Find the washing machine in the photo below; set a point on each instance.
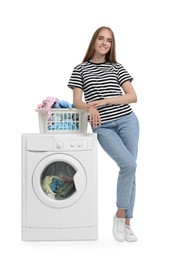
(59, 187)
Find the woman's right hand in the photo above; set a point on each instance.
(94, 117)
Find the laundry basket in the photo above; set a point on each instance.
(63, 120)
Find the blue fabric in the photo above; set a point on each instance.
(63, 104)
(64, 126)
(56, 184)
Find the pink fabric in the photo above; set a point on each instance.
(47, 105)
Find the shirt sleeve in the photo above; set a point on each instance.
(123, 75)
(76, 79)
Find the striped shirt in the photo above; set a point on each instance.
(99, 81)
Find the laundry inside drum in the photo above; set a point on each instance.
(57, 180)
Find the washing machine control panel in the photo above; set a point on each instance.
(72, 143)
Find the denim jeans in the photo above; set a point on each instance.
(119, 138)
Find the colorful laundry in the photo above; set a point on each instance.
(66, 191)
(63, 126)
(47, 104)
(57, 187)
(56, 184)
(63, 104)
(46, 185)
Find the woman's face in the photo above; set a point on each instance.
(103, 42)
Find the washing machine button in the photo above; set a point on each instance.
(80, 143)
(59, 145)
(72, 144)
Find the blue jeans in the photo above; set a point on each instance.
(119, 138)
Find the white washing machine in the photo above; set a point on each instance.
(59, 187)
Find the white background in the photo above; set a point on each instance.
(40, 43)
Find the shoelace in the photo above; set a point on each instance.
(129, 231)
(120, 226)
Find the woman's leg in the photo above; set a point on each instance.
(119, 139)
(113, 145)
(129, 132)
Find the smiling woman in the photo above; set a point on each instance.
(108, 92)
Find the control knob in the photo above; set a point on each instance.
(59, 145)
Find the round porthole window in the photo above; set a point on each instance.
(59, 180)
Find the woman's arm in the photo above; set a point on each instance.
(94, 115)
(77, 99)
(128, 97)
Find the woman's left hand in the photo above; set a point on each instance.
(94, 117)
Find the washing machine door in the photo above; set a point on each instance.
(59, 180)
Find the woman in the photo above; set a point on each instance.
(108, 92)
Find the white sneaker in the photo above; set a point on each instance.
(119, 229)
(129, 235)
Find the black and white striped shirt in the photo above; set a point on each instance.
(99, 81)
